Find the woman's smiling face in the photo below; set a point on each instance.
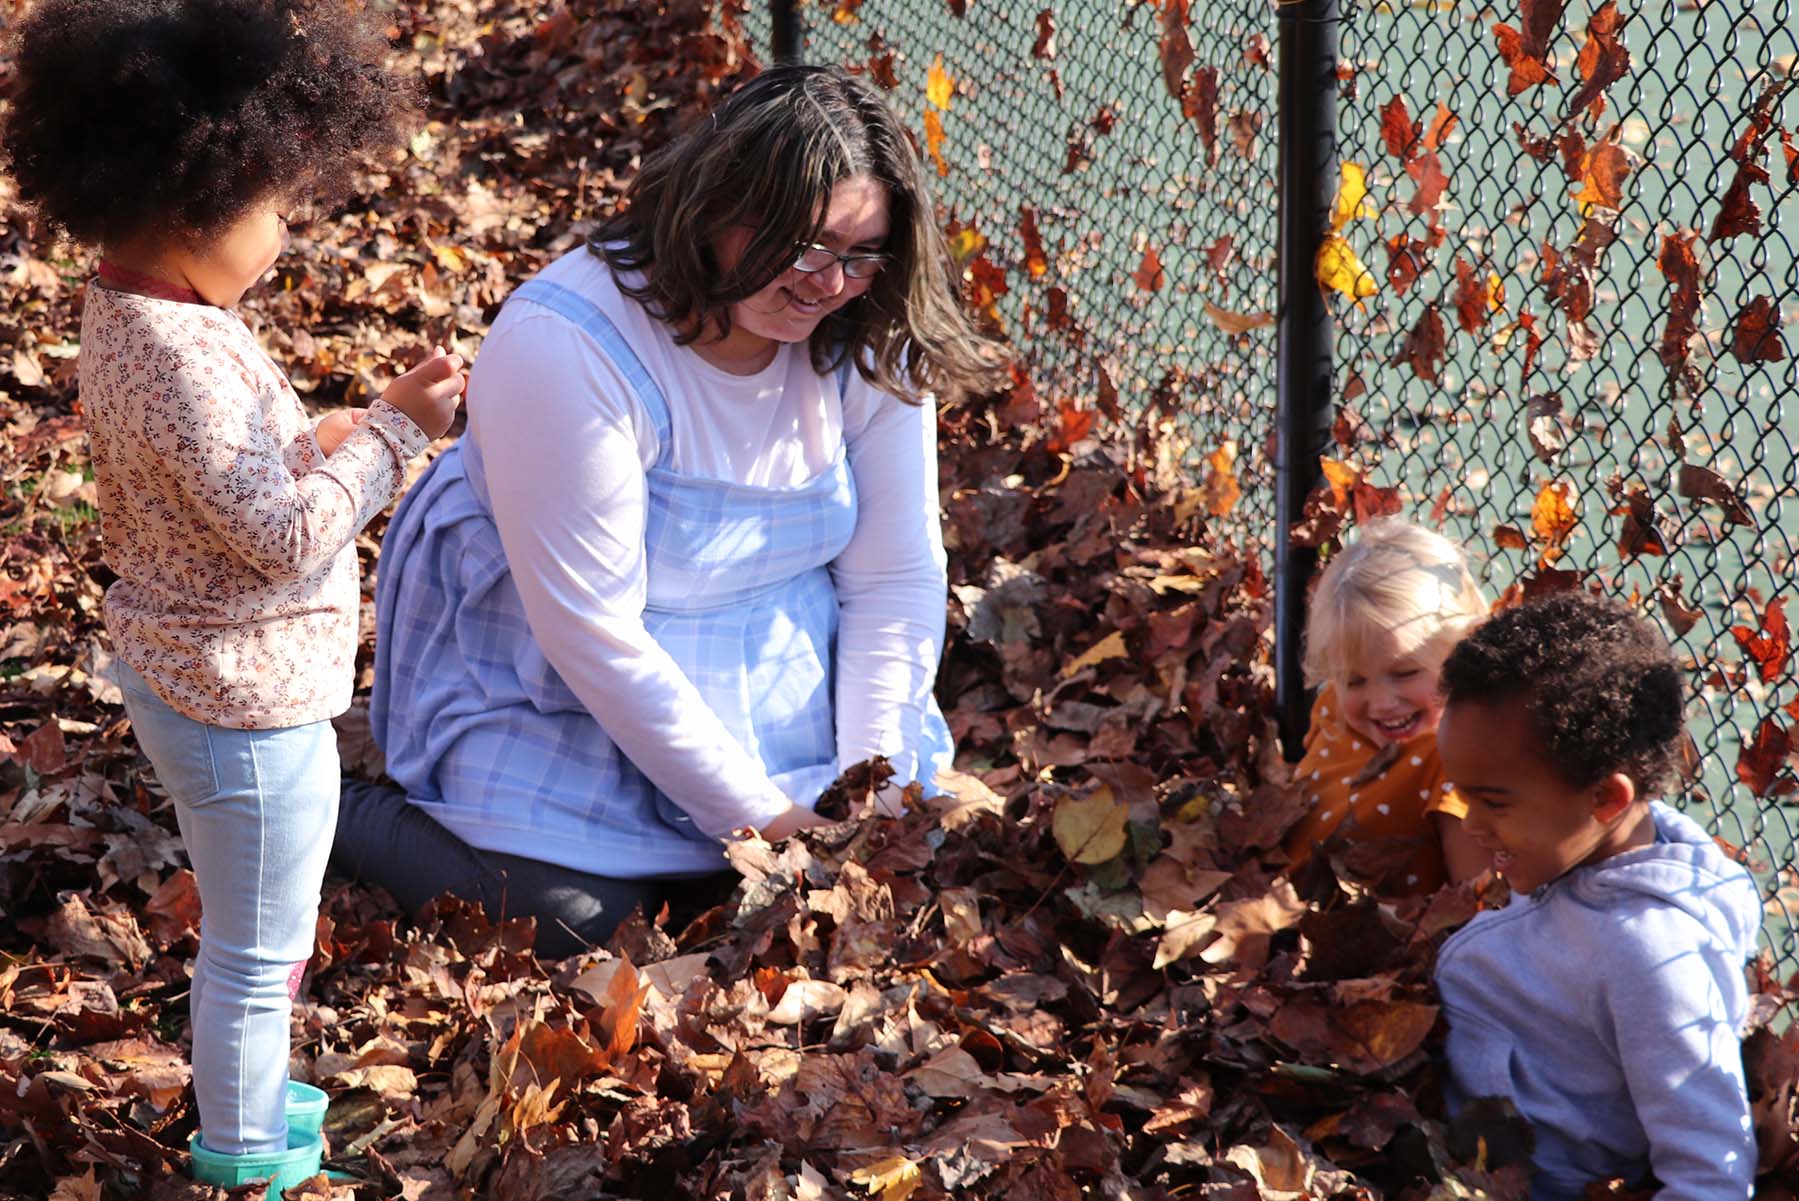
(789, 308)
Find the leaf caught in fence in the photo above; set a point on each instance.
(1770, 645)
(1221, 491)
(1755, 334)
(1237, 323)
(1407, 259)
(1149, 275)
(1427, 172)
(1678, 264)
(1200, 103)
(1036, 263)
(1510, 537)
(1398, 131)
(1423, 347)
(1526, 51)
(1176, 46)
(1218, 254)
(1339, 270)
(1603, 61)
(1476, 300)
(1702, 483)
(1603, 172)
(1680, 616)
(939, 87)
(1352, 196)
(1641, 533)
(1441, 126)
(1544, 426)
(1738, 213)
(1552, 517)
(933, 140)
(1762, 763)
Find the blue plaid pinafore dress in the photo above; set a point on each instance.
(483, 733)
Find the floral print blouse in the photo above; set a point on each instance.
(232, 534)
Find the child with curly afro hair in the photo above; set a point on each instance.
(172, 135)
(1605, 1000)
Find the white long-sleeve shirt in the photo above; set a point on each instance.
(565, 444)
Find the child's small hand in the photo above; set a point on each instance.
(430, 392)
(336, 426)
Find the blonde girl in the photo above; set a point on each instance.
(1385, 614)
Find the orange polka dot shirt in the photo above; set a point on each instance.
(1390, 798)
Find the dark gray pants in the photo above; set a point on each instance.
(384, 839)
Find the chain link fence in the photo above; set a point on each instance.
(1574, 356)
(1107, 171)
(1571, 262)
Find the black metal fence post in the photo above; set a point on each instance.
(1307, 148)
(784, 30)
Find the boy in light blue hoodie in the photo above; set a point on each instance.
(1606, 1000)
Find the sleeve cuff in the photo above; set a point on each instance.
(761, 814)
(407, 437)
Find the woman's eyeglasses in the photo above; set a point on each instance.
(815, 258)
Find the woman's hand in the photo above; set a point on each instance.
(791, 822)
(336, 426)
(430, 392)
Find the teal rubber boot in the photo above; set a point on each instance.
(281, 1169)
(305, 1109)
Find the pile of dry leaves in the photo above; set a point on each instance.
(1083, 975)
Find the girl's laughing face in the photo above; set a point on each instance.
(1390, 694)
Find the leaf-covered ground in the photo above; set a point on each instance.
(1083, 976)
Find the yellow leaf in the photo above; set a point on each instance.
(1495, 291)
(939, 87)
(1340, 270)
(1553, 516)
(1237, 323)
(964, 244)
(1352, 197)
(1194, 809)
(894, 1179)
(1090, 829)
(1109, 647)
(1221, 489)
(1341, 477)
(933, 141)
(451, 258)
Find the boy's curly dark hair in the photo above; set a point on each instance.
(1603, 689)
(176, 117)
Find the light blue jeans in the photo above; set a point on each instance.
(257, 809)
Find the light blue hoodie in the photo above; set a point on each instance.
(1607, 1006)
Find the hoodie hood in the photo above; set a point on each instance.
(1686, 869)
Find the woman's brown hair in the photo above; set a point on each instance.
(768, 157)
